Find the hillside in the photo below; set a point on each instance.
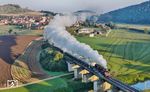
(85, 11)
(12, 8)
(135, 14)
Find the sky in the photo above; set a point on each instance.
(100, 6)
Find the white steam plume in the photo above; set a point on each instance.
(56, 33)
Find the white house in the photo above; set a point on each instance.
(91, 35)
(85, 30)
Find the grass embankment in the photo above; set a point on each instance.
(45, 86)
(127, 54)
(63, 84)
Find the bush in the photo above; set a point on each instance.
(58, 56)
(50, 63)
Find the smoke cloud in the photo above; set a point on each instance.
(56, 33)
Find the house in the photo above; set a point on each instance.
(97, 32)
(91, 35)
(85, 31)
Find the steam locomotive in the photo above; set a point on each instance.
(103, 71)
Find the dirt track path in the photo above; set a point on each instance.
(30, 57)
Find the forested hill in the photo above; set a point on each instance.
(12, 8)
(135, 14)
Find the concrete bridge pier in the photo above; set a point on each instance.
(70, 69)
(97, 86)
(84, 73)
(75, 68)
(85, 78)
(76, 73)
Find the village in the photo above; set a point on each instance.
(38, 22)
(90, 29)
(26, 22)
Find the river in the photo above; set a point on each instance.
(142, 85)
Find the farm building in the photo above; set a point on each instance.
(91, 35)
(85, 31)
(90, 31)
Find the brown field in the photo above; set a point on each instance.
(26, 68)
(10, 48)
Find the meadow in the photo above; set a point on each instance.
(4, 30)
(45, 86)
(62, 84)
(134, 27)
(127, 54)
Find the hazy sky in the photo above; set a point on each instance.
(73, 5)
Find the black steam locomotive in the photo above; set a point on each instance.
(103, 71)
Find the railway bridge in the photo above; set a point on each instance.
(88, 73)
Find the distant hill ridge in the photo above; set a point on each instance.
(12, 8)
(135, 14)
(85, 11)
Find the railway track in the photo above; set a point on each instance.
(120, 85)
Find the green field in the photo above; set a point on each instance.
(140, 27)
(62, 84)
(45, 86)
(15, 29)
(127, 54)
